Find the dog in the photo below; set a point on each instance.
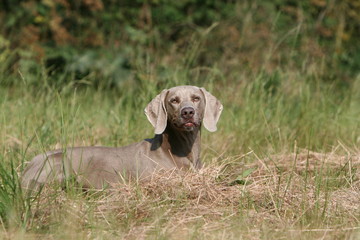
(176, 114)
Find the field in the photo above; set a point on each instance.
(284, 163)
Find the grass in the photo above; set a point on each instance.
(283, 163)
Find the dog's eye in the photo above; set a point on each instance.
(174, 100)
(196, 99)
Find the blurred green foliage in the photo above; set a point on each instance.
(69, 40)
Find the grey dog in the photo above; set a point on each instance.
(176, 114)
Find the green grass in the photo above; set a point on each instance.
(310, 194)
(283, 163)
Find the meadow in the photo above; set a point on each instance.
(282, 165)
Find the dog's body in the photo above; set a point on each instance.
(176, 114)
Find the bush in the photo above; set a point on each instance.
(79, 37)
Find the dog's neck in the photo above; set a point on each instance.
(182, 145)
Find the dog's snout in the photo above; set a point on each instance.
(187, 112)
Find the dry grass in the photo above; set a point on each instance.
(284, 195)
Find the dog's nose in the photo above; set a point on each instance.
(187, 112)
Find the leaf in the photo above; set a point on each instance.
(241, 179)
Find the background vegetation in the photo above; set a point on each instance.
(283, 163)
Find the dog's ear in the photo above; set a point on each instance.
(156, 112)
(213, 109)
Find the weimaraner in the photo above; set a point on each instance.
(176, 114)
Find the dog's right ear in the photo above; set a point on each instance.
(156, 112)
(213, 109)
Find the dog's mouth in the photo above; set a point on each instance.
(189, 125)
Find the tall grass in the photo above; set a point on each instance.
(265, 121)
(283, 163)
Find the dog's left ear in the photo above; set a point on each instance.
(156, 112)
(213, 109)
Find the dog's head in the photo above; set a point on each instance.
(185, 108)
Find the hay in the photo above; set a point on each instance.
(279, 190)
(200, 190)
